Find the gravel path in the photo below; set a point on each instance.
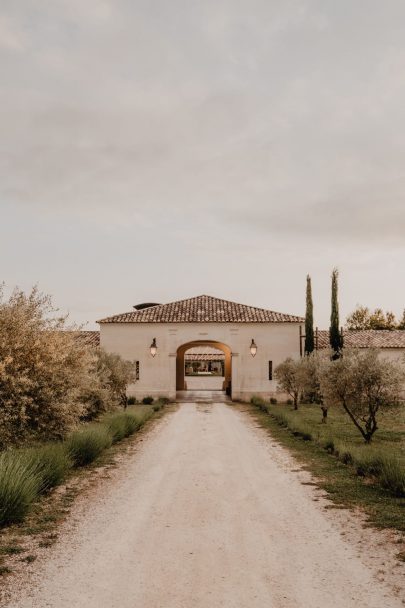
(205, 514)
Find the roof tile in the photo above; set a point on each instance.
(202, 309)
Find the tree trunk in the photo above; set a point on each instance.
(324, 414)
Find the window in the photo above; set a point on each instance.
(136, 370)
(270, 370)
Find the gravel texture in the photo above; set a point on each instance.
(209, 512)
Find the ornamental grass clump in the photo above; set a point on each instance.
(86, 445)
(117, 426)
(52, 462)
(19, 486)
(259, 403)
(392, 476)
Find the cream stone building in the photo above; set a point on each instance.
(160, 338)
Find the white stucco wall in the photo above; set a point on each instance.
(275, 342)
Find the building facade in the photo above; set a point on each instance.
(159, 336)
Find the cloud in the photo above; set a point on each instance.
(204, 126)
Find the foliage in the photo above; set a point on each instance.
(85, 445)
(148, 400)
(335, 337)
(123, 424)
(19, 486)
(309, 373)
(309, 320)
(362, 318)
(362, 383)
(107, 383)
(50, 379)
(42, 369)
(289, 378)
(26, 473)
(259, 402)
(381, 463)
(51, 461)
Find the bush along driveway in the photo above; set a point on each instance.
(39, 484)
(354, 474)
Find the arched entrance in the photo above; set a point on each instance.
(200, 351)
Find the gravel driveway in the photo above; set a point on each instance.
(208, 512)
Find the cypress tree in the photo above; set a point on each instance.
(335, 337)
(309, 320)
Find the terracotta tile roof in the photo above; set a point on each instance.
(90, 338)
(202, 309)
(370, 338)
(204, 353)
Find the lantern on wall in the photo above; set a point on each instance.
(153, 348)
(253, 348)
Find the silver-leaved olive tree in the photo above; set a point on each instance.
(363, 383)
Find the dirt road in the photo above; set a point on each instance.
(207, 513)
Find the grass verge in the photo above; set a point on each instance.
(352, 474)
(28, 473)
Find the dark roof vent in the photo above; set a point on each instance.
(145, 305)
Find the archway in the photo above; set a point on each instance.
(200, 350)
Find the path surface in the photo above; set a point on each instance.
(206, 514)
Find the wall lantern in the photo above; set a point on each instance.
(253, 348)
(153, 348)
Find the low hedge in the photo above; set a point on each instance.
(27, 473)
(366, 460)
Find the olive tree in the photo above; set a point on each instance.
(43, 369)
(309, 378)
(289, 378)
(106, 387)
(363, 383)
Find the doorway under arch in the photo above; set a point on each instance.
(203, 346)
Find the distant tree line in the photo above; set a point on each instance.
(364, 318)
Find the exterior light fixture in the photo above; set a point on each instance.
(153, 348)
(253, 348)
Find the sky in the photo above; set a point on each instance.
(154, 151)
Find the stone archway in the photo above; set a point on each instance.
(181, 384)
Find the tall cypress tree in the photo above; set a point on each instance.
(335, 337)
(309, 320)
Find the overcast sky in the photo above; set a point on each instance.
(154, 150)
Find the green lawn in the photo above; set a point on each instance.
(390, 435)
(340, 478)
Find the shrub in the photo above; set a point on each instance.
(19, 486)
(131, 400)
(301, 429)
(148, 400)
(289, 402)
(52, 463)
(329, 445)
(273, 400)
(164, 400)
(344, 453)
(85, 445)
(43, 368)
(259, 402)
(367, 461)
(134, 421)
(392, 476)
(157, 407)
(117, 427)
(281, 417)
